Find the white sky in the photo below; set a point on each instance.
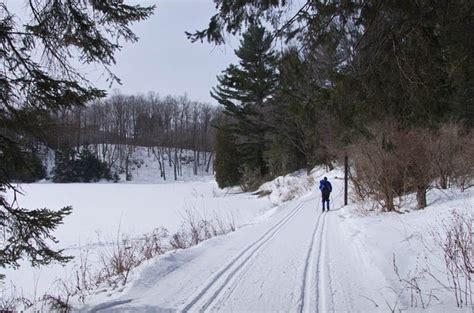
(164, 60)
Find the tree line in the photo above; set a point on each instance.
(391, 84)
(105, 134)
(115, 126)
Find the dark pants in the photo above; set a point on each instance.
(325, 198)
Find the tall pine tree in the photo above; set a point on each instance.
(243, 91)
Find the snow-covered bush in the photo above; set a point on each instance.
(10, 298)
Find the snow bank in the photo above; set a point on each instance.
(404, 251)
(294, 185)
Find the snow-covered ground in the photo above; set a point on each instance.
(144, 166)
(300, 259)
(290, 257)
(101, 210)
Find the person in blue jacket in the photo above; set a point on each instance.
(326, 188)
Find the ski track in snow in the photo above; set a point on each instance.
(299, 260)
(309, 282)
(211, 291)
(316, 276)
(292, 258)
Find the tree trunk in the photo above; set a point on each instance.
(443, 182)
(164, 168)
(196, 160)
(421, 197)
(388, 205)
(127, 174)
(209, 163)
(175, 165)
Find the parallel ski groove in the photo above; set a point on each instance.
(320, 301)
(307, 274)
(327, 275)
(246, 254)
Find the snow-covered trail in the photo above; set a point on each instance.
(272, 273)
(295, 261)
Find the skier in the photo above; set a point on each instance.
(326, 188)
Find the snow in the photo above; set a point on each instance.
(378, 239)
(144, 167)
(102, 211)
(286, 255)
(299, 259)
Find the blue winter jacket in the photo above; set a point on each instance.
(325, 186)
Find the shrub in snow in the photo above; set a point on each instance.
(451, 153)
(10, 298)
(396, 161)
(251, 179)
(446, 269)
(118, 257)
(392, 164)
(79, 167)
(456, 243)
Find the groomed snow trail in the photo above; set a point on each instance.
(249, 278)
(284, 263)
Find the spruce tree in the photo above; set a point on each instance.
(243, 91)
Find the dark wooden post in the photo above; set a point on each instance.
(346, 177)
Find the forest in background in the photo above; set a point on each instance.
(389, 84)
(89, 141)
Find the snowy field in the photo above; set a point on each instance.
(298, 259)
(102, 210)
(285, 256)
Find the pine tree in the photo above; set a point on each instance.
(244, 90)
(37, 78)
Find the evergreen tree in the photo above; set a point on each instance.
(244, 90)
(64, 165)
(81, 167)
(89, 168)
(301, 125)
(403, 64)
(227, 160)
(25, 167)
(37, 77)
(405, 60)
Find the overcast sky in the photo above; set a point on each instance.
(164, 60)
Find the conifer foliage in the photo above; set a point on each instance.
(351, 73)
(81, 167)
(244, 91)
(38, 77)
